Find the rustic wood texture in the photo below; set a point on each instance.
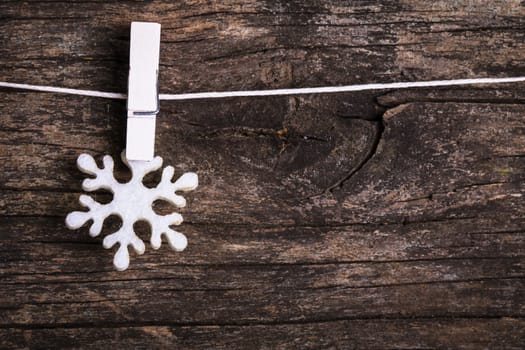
(378, 220)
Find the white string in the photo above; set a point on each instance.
(272, 92)
(94, 93)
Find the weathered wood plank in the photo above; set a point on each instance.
(430, 333)
(33, 245)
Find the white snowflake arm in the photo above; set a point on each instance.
(125, 237)
(166, 189)
(160, 224)
(97, 212)
(104, 179)
(139, 168)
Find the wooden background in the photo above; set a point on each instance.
(380, 220)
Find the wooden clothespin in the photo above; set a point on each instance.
(143, 94)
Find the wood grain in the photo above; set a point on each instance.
(385, 219)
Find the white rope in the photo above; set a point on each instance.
(94, 93)
(273, 92)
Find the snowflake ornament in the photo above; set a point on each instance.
(132, 201)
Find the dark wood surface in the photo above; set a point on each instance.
(378, 220)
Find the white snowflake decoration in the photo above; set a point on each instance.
(132, 201)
